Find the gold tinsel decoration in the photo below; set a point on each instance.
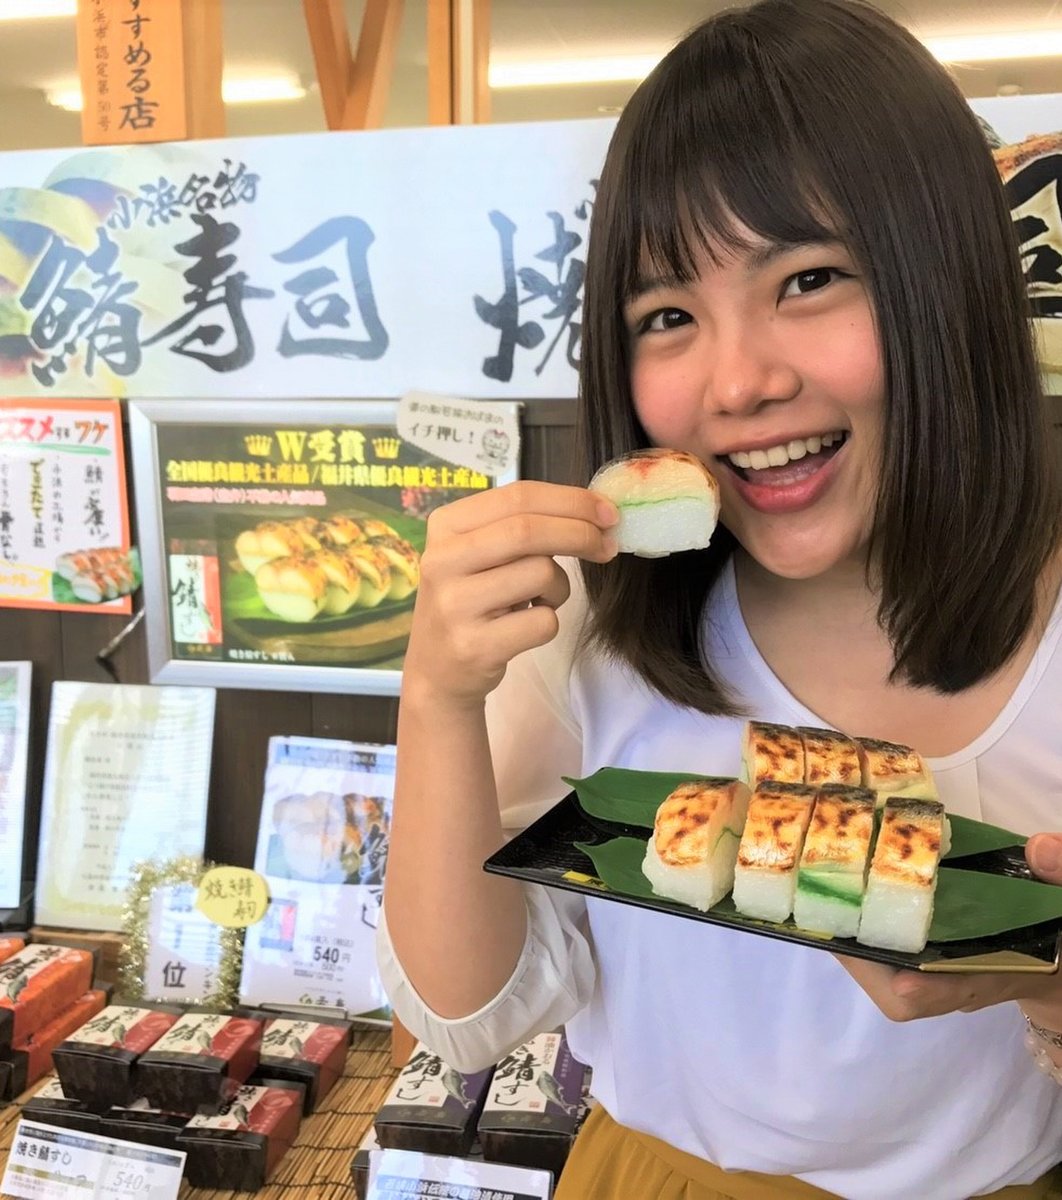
(132, 959)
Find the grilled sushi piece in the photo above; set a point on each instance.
(340, 531)
(832, 874)
(667, 499)
(82, 562)
(372, 565)
(292, 588)
(771, 752)
(344, 581)
(267, 541)
(765, 875)
(691, 855)
(377, 529)
(889, 769)
(404, 562)
(829, 757)
(105, 582)
(898, 905)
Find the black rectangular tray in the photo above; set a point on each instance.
(545, 853)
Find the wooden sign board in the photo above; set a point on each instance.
(130, 57)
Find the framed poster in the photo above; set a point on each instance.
(322, 847)
(281, 542)
(64, 514)
(125, 781)
(14, 747)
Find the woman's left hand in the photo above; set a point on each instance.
(910, 995)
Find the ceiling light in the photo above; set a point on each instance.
(572, 70)
(27, 10)
(233, 91)
(987, 47)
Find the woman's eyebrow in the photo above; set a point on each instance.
(651, 281)
(762, 256)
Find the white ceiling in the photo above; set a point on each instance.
(269, 36)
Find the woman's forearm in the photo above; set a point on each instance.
(456, 930)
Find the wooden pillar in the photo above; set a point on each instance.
(458, 58)
(150, 70)
(354, 84)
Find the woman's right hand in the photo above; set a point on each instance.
(490, 585)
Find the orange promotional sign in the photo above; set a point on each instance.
(130, 57)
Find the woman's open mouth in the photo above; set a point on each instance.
(786, 477)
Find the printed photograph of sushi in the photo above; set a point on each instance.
(329, 838)
(93, 576)
(304, 568)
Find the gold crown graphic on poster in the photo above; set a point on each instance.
(386, 447)
(259, 444)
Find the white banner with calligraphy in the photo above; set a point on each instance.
(363, 264)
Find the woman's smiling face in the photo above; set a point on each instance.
(767, 367)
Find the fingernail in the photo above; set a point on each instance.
(610, 545)
(607, 514)
(1046, 855)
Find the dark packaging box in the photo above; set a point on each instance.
(36, 984)
(240, 1146)
(97, 1063)
(32, 1059)
(431, 1108)
(200, 1062)
(535, 1105)
(51, 1106)
(312, 1053)
(143, 1124)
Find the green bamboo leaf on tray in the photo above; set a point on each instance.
(969, 904)
(632, 798)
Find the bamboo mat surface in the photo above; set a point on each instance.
(317, 1167)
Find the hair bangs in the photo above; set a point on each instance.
(708, 169)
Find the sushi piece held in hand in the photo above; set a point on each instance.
(765, 875)
(691, 855)
(832, 874)
(773, 752)
(898, 906)
(668, 501)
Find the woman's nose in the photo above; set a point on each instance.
(747, 371)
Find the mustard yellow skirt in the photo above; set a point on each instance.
(611, 1162)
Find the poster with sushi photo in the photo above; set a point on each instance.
(282, 545)
(64, 513)
(322, 847)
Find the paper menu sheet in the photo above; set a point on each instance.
(14, 746)
(322, 846)
(126, 780)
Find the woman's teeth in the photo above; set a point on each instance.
(778, 456)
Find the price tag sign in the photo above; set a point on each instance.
(233, 896)
(404, 1173)
(45, 1163)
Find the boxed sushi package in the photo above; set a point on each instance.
(431, 1107)
(31, 1059)
(312, 1053)
(38, 982)
(239, 1146)
(139, 1122)
(97, 1063)
(200, 1062)
(534, 1105)
(10, 946)
(51, 1106)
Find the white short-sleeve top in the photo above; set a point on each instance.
(753, 1053)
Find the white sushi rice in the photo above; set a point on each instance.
(895, 916)
(767, 896)
(700, 885)
(826, 914)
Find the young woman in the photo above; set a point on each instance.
(802, 271)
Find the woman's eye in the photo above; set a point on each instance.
(662, 320)
(811, 281)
